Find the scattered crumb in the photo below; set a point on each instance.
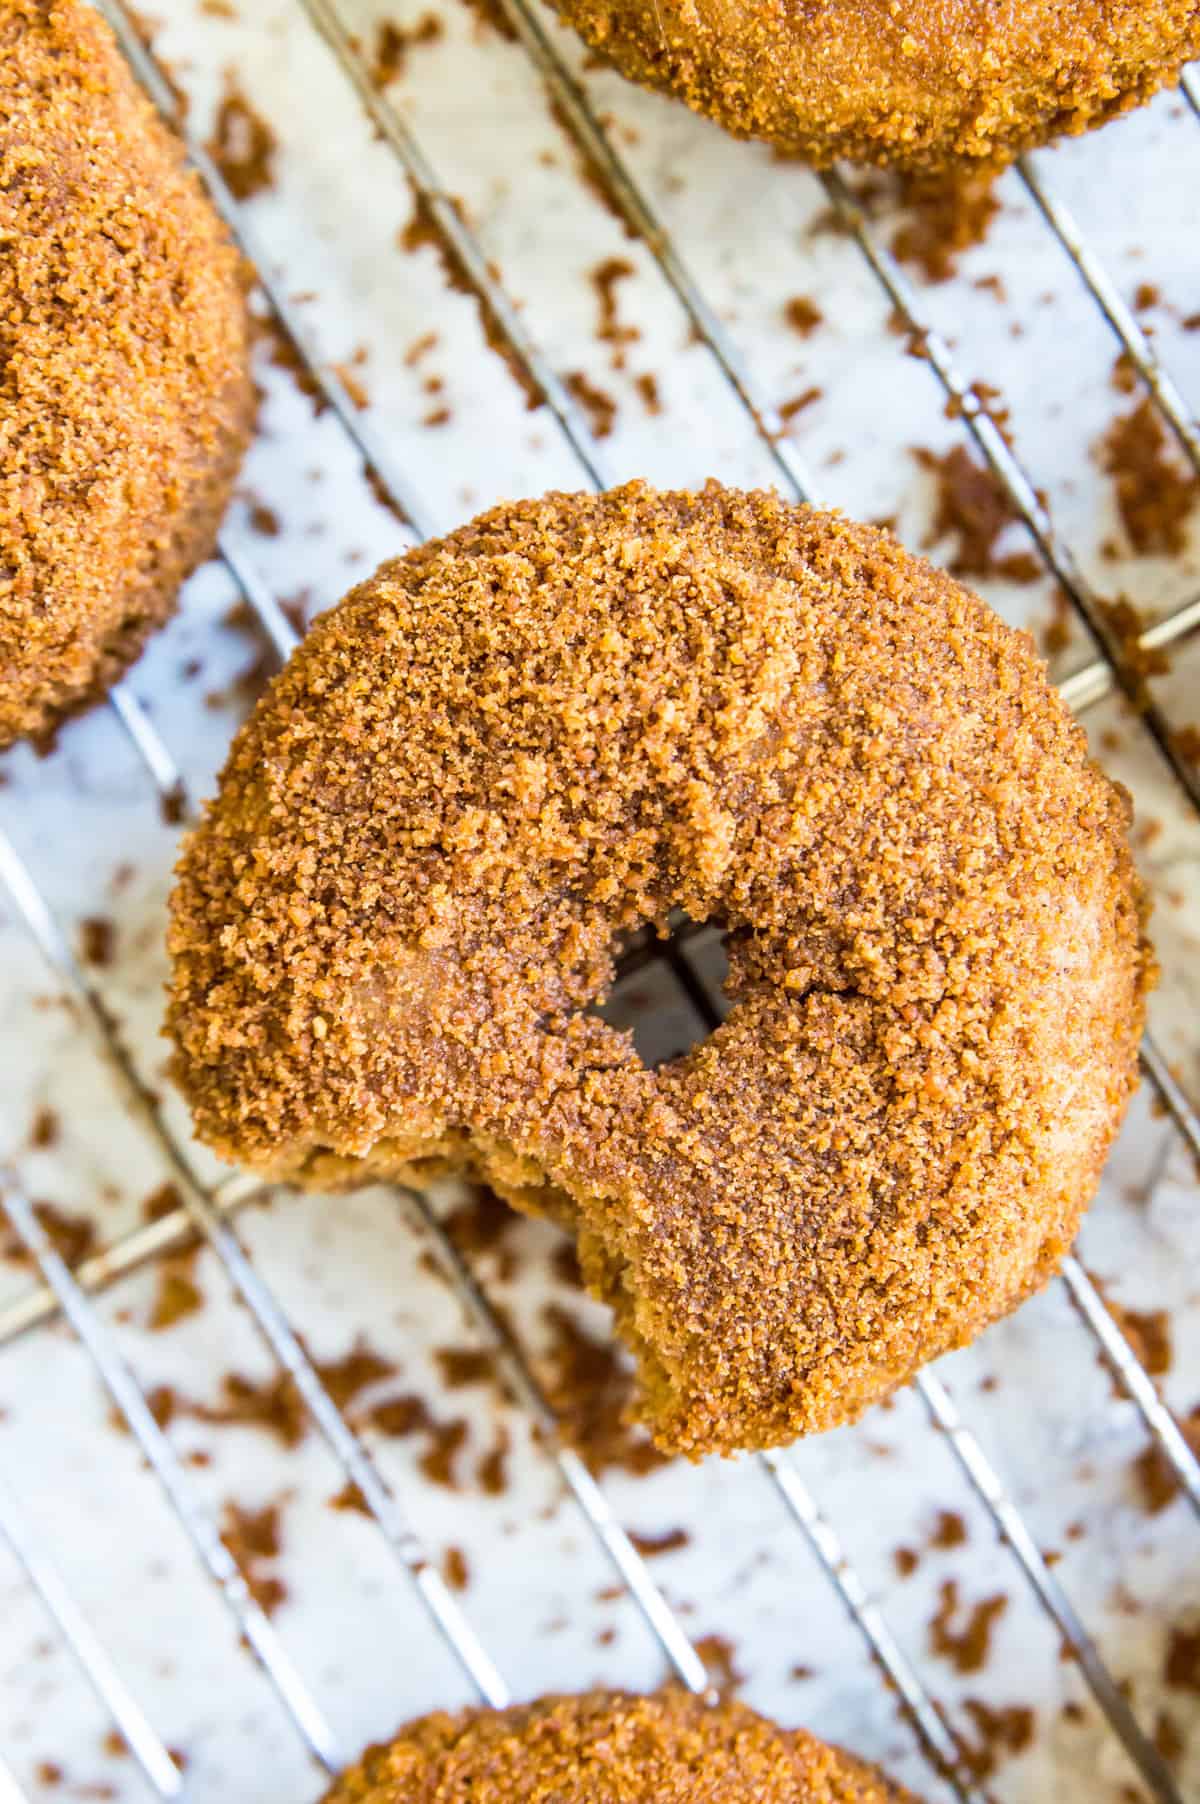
(606, 278)
(73, 1237)
(97, 940)
(972, 510)
(947, 214)
(600, 407)
(254, 1539)
(719, 1655)
(178, 1294)
(242, 145)
(949, 1530)
(589, 1386)
(393, 43)
(44, 1129)
(803, 315)
(455, 1569)
(1155, 493)
(966, 1648)
(1181, 1663)
(1002, 1733)
(667, 1542)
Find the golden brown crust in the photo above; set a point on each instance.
(125, 396)
(573, 716)
(609, 1748)
(921, 86)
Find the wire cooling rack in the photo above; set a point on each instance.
(1092, 1697)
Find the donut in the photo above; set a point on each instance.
(609, 1748)
(512, 748)
(925, 86)
(125, 397)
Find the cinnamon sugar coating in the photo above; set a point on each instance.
(923, 85)
(572, 716)
(609, 1748)
(125, 398)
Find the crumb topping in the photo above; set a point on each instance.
(923, 86)
(125, 401)
(609, 1748)
(512, 747)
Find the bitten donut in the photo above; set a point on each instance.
(125, 398)
(609, 1748)
(925, 85)
(575, 715)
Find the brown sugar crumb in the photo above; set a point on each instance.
(242, 144)
(350, 1497)
(1147, 1331)
(906, 1561)
(463, 1366)
(254, 1539)
(355, 1372)
(517, 746)
(97, 940)
(1181, 1662)
(49, 1773)
(949, 1530)
(423, 232)
(947, 214)
(1155, 492)
(274, 1405)
(263, 519)
(1002, 1733)
(647, 387)
(492, 1470)
(73, 1237)
(600, 407)
(446, 1441)
(178, 1295)
(393, 43)
(797, 404)
(669, 1541)
(966, 1648)
(164, 1200)
(1056, 634)
(45, 1128)
(1127, 624)
(803, 315)
(610, 1748)
(455, 1569)
(1146, 295)
(606, 279)
(354, 386)
(719, 1655)
(1186, 741)
(973, 510)
(590, 1387)
(1168, 1737)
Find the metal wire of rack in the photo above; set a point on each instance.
(206, 1213)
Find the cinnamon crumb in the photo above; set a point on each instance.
(966, 1648)
(1155, 493)
(242, 144)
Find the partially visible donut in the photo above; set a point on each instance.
(924, 85)
(125, 397)
(572, 716)
(609, 1748)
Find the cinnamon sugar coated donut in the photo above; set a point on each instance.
(510, 748)
(609, 1748)
(926, 84)
(125, 399)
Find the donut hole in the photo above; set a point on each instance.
(669, 993)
